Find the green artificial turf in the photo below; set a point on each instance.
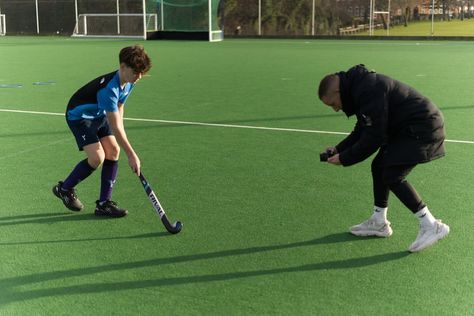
(265, 223)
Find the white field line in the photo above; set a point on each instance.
(237, 126)
(219, 125)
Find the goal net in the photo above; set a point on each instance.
(193, 16)
(124, 25)
(115, 18)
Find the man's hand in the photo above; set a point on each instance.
(134, 163)
(334, 160)
(329, 152)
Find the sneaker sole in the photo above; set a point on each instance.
(443, 233)
(56, 193)
(371, 233)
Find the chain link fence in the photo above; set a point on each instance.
(284, 18)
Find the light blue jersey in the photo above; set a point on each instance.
(101, 95)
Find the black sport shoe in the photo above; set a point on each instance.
(68, 197)
(109, 208)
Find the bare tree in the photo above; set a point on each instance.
(406, 8)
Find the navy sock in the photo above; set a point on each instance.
(109, 174)
(80, 172)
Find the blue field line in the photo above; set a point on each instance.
(294, 130)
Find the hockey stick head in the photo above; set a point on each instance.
(177, 227)
(172, 228)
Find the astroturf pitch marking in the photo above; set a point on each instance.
(218, 125)
(22, 152)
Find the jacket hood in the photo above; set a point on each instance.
(348, 79)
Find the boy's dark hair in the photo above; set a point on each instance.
(324, 85)
(136, 58)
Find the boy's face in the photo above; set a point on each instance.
(333, 97)
(128, 74)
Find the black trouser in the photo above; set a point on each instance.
(392, 178)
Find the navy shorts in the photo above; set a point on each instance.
(88, 131)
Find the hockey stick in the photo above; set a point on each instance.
(172, 228)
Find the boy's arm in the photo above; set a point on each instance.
(120, 107)
(116, 123)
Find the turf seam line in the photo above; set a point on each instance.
(220, 125)
(32, 149)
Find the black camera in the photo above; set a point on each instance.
(323, 157)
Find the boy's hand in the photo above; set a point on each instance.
(134, 163)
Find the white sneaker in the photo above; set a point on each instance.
(429, 235)
(371, 228)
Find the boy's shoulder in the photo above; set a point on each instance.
(110, 79)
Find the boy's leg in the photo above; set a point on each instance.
(105, 206)
(95, 157)
(65, 190)
(109, 168)
(82, 170)
(85, 133)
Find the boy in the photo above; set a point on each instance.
(95, 116)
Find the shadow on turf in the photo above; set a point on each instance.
(50, 218)
(141, 236)
(9, 284)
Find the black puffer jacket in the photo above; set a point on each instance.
(392, 116)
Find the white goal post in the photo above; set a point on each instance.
(214, 35)
(3, 26)
(374, 13)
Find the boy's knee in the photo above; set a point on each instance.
(96, 160)
(113, 153)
